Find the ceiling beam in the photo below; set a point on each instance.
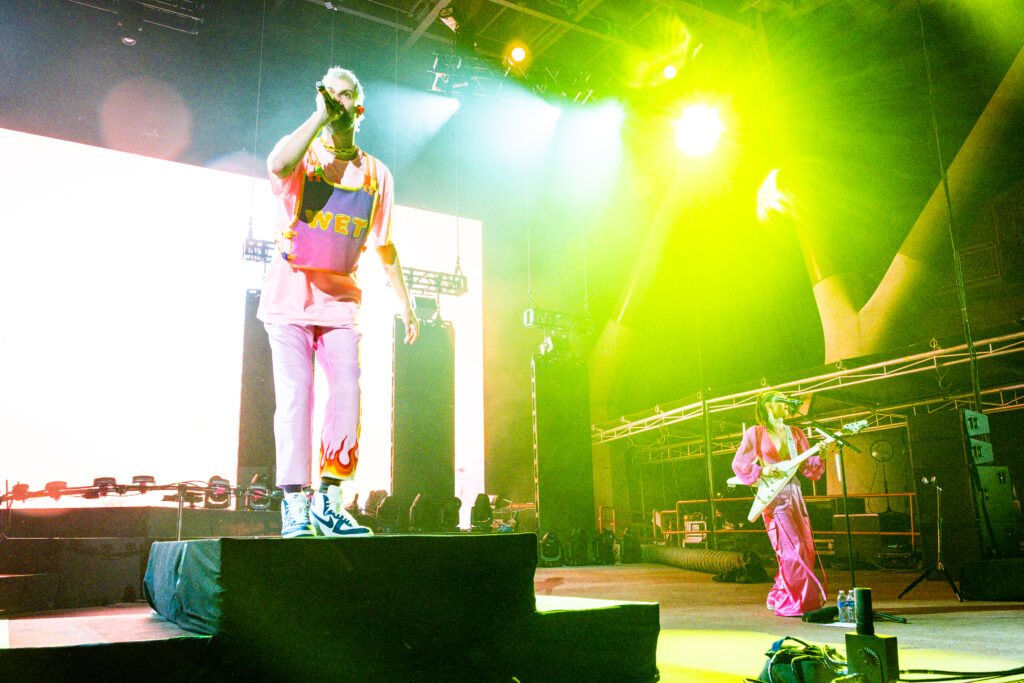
(429, 19)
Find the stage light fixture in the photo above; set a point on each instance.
(104, 485)
(454, 18)
(450, 514)
(481, 517)
(424, 515)
(516, 57)
(698, 130)
(257, 497)
(428, 309)
(218, 494)
(390, 514)
(129, 13)
(19, 492)
(669, 72)
(143, 481)
(55, 488)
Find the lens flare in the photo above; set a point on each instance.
(698, 130)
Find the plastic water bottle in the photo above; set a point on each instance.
(841, 606)
(849, 615)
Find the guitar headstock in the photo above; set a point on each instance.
(854, 427)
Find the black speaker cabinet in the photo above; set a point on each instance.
(978, 518)
(864, 539)
(563, 461)
(423, 429)
(256, 450)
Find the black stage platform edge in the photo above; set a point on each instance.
(140, 522)
(570, 640)
(26, 592)
(993, 580)
(80, 572)
(380, 599)
(402, 608)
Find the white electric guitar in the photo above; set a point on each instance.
(769, 487)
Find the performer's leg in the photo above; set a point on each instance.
(291, 349)
(800, 589)
(337, 351)
(778, 589)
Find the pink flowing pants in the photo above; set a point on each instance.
(796, 590)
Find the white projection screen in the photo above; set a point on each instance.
(123, 295)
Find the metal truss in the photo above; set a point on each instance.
(1009, 396)
(433, 282)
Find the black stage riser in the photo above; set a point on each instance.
(394, 608)
(406, 600)
(83, 557)
(615, 644)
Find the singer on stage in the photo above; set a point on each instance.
(333, 198)
(796, 590)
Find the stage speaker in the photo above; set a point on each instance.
(994, 580)
(563, 462)
(866, 543)
(423, 428)
(977, 515)
(256, 450)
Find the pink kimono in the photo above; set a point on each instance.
(796, 590)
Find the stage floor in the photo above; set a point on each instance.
(710, 631)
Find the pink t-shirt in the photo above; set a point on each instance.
(295, 296)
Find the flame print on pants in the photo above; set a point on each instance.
(339, 463)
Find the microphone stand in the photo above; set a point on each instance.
(842, 476)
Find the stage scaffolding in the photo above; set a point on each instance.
(883, 392)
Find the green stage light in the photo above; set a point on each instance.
(698, 130)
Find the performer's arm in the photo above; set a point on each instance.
(814, 466)
(393, 267)
(288, 151)
(745, 463)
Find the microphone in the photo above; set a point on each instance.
(825, 615)
(331, 102)
(794, 402)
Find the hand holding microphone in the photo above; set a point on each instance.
(334, 108)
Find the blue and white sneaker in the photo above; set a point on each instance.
(295, 516)
(330, 519)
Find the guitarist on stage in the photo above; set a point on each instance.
(796, 590)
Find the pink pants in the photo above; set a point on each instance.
(796, 590)
(336, 349)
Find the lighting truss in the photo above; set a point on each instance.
(433, 282)
(996, 399)
(183, 16)
(261, 251)
(554, 320)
